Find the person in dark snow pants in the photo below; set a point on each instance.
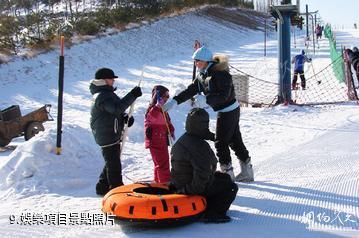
(107, 122)
(298, 62)
(318, 32)
(354, 60)
(158, 129)
(194, 169)
(215, 81)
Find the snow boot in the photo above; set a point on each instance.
(246, 174)
(228, 169)
(102, 189)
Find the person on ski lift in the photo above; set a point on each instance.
(107, 122)
(299, 61)
(159, 132)
(215, 81)
(194, 166)
(354, 59)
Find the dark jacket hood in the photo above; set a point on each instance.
(197, 123)
(98, 85)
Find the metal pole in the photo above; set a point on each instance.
(265, 36)
(295, 37)
(280, 59)
(294, 40)
(60, 96)
(130, 112)
(313, 34)
(306, 20)
(284, 59)
(196, 46)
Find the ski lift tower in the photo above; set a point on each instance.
(283, 12)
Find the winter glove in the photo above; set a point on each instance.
(211, 136)
(127, 120)
(136, 91)
(148, 132)
(169, 104)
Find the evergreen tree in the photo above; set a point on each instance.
(9, 31)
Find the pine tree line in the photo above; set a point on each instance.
(37, 23)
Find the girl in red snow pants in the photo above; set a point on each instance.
(158, 131)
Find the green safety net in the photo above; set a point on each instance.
(335, 55)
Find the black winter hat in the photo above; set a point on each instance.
(197, 123)
(105, 73)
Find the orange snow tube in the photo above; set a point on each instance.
(151, 202)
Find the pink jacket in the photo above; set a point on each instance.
(155, 120)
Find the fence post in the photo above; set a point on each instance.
(60, 96)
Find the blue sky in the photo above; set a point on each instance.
(338, 13)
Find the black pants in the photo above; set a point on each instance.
(111, 175)
(295, 77)
(229, 135)
(220, 194)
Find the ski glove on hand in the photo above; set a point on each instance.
(128, 120)
(148, 132)
(169, 104)
(211, 136)
(136, 91)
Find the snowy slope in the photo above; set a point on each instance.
(305, 158)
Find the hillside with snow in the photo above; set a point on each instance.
(305, 158)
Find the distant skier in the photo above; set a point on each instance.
(299, 61)
(107, 121)
(354, 60)
(318, 32)
(194, 169)
(215, 81)
(158, 133)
